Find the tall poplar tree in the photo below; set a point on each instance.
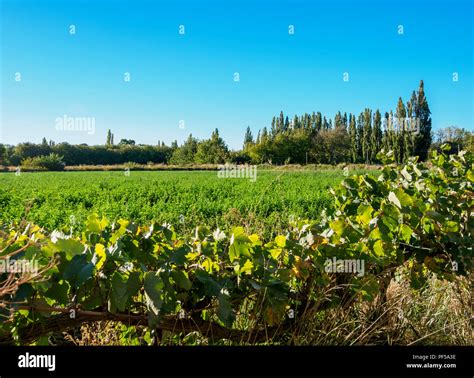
(248, 138)
(386, 141)
(319, 121)
(110, 138)
(423, 114)
(401, 130)
(367, 135)
(360, 137)
(376, 137)
(353, 137)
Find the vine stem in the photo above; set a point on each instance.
(64, 321)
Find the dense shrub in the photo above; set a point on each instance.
(51, 162)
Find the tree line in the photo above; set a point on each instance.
(312, 138)
(308, 138)
(82, 154)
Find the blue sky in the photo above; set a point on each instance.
(190, 77)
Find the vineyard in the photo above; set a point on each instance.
(187, 259)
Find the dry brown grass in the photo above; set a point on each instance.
(439, 314)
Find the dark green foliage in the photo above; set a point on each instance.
(89, 155)
(51, 162)
(408, 133)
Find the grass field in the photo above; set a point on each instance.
(184, 199)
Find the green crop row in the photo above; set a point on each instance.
(185, 199)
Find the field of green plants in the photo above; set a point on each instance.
(182, 198)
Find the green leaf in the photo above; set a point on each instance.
(153, 285)
(59, 292)
(85, 274)
(119, 294)
(276, 252)
(181, 279)
(238, 231)
(179, 255)
(384, 230)
(133, 283)
(71, 247)
(211, 287)
(247, 268)
(94, 224)
(238, 249)
(403, 197)
(224, 309)
(445, 147)
(78, 271)
(201, 232)
(23, 293)
(450, 226)
(405, 233)
(391, 216)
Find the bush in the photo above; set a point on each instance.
(51, 162)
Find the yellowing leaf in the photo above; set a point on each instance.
(338, 226)
(247, 268)
(101, 255)
(364, 213)
(280, 241)
(237, 231)
(254, 238)
(275, 253)
(378, 248)
(470, 175)
(210, 265)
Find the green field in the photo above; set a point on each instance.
(182, 198)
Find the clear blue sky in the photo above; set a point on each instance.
(191, 77)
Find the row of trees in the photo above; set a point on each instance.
(314, 138)
(309, 138)
(208, 151)
(83, 154)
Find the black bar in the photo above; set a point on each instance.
(241, 361)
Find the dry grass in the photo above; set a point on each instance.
(439, 314)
